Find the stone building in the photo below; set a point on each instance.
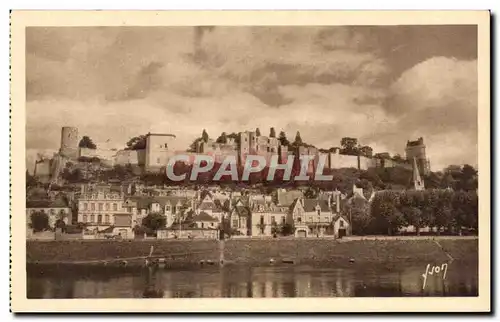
(57, 209)
(416, 150)
(99, 208)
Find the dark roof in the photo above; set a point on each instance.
(203, 216)
(311, 204)
(205, 193)
(242, 211)
(143, 202)
(206, 206)
(219, 206)
(340, 216)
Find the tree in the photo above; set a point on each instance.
(272, 133)
(349, 146)
(283, 140)
(39, 221)
(75, 176)
(222, 138)
(413, 216)
(384, 209)
(257, 132)
(30, 180)
(358, 212)
(298, 139)
(287, 229)
(459, 205)
(262, 227)
(467, 179)
(60, 224)
(154, 221)
(194, 146)
(86, 142)
(311, 193)
(274, 228)
(442, 209)
(137, 143)
(382, 155)
(204, 135)
(366, 151)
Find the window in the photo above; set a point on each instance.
(52, 211)
(84, 218)
(327, 219)
(167, 208)
(91, 218)
(158, 160)
(273, 221)
(283, 220)
(115, 207)
(106, 219)
(202, 225)
(107, 206)
(92, 206)
(100, 206)
(177, 209)
(341, 223)
(262, 220)
(235, 223)
(319, 212)
(85, 206)
(99, 219)
(299, 219)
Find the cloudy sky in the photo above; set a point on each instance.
(383, 85)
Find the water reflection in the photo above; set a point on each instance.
(258, 282)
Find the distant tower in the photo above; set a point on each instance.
(417, 180)
(69, 142)
(416, 150)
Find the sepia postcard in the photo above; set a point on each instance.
(267, 161)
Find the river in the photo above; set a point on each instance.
(258, 282)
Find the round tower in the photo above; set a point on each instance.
(69, 142)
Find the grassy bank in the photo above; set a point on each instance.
(259, 252)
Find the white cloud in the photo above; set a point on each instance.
(437, 99)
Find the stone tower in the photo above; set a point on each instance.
(416, 150)
(158, 150)
(69, 142)
(417, 180)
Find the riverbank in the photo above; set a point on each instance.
(387, 251)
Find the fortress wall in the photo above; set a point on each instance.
(338, 161)
(43, 168)
(99, 153)
(366, 163)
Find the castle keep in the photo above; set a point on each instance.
(416, 150)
